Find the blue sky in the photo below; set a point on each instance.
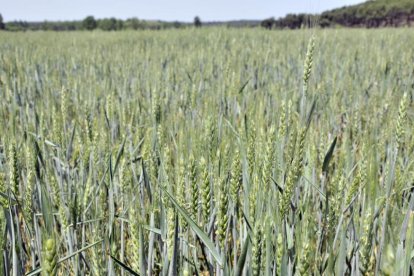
(182, 10)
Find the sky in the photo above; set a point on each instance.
(168, 10)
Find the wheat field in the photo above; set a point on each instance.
(207, 152)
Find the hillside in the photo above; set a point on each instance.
(370, 14)
(374, 13)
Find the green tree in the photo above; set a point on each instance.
(133, 23)
(2, 25)
(197, 22)
(110, 24)
(89, 23)
(268, 23)
(46, 26)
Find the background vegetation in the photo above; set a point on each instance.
(207, 151)
(370, 14)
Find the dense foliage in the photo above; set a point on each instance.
(374, 13)
(371, 14)
(90, 23)
(216, 151)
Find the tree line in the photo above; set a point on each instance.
(90, 23)
(370, 14)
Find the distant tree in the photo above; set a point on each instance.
(16, 26)
(46, 26)
(2, 25)
(110, 24)
(89, 23)
(197, 22)
(119, 25)
(176, 24)
(133, 23)
(268, 23)
(324, 22)
(292, 21)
